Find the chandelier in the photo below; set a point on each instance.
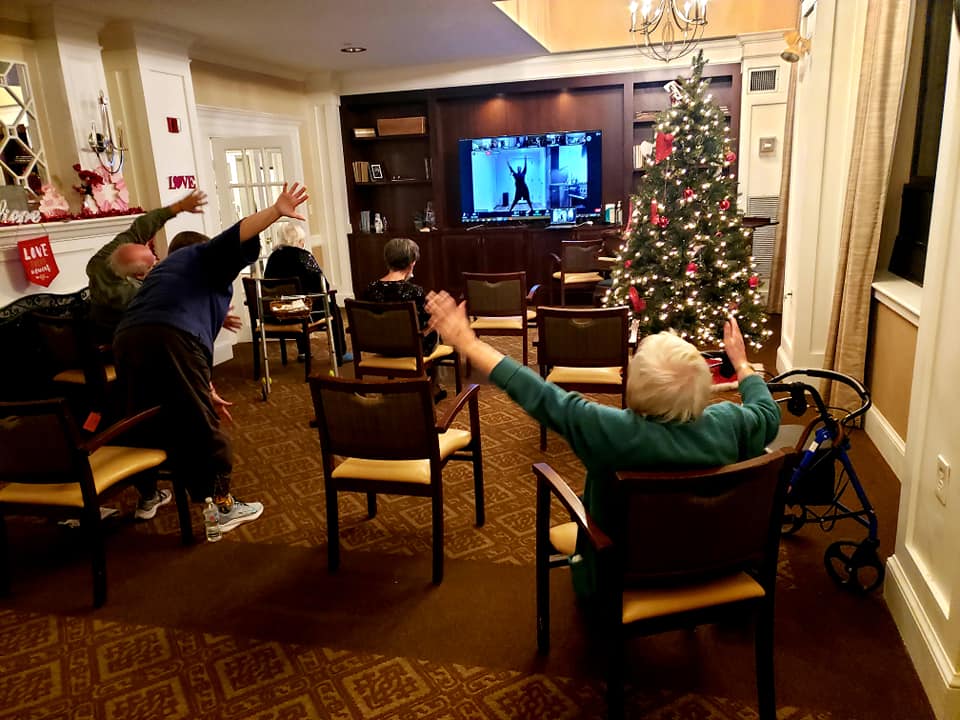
(680, 22)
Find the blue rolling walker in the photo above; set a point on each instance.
(824, 473)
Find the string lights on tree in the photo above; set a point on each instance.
(685, 263)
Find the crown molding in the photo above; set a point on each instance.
(216, 56)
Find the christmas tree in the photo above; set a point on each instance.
(685, 262)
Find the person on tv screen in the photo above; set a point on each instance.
(521, 192)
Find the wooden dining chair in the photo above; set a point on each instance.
(683, 548)
(499, 304)
(577, 267)
(383, 438)
(584, 349)
(273, 327)
(386, 341)
(48, 470)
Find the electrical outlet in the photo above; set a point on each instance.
(943, 479)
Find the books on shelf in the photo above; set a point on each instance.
(361, 171)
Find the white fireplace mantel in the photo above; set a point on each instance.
(73, 243)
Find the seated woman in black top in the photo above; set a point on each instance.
(401, 254)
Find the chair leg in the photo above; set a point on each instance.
(478, 484)
(90, 522)
(458, 381)
(764, 659)
(283, 352)
(4, 558)
(371, 505)
(615, 671)
(307, 360)
(437, 507)
(183, 514)
(333, 531)
(542, 550)
(524, 336)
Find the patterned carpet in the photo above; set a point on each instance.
(255, 627)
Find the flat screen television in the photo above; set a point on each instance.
(526, 177)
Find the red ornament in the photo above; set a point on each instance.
(654, 216)
(663, 221)
(627, 264)
(688, 193)
(664, 146)
(639, 304)
(730, 156)
(725, 204)
(754, 281)
(692, 267)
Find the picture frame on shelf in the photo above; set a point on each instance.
(376, 172)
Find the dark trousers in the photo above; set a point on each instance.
(158, 365)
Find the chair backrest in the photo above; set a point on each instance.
(583, 337)
(390, 329)
(270, 288)
(41, 444)
(496, 294)
(580, 255)
(69, 344)
(386, 420)
(684, 525)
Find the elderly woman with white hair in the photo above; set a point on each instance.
(669, 420)
(292, 259)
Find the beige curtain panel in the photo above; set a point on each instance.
(878, 111)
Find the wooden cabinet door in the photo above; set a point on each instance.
(462, 252)
(504, 251)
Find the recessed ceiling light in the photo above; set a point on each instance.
(352, 49)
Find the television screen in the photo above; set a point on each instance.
(527, 177)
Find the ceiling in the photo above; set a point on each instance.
(305, 36)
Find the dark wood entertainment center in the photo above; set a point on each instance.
(423, 166)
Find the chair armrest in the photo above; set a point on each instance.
(532, 294)
(555, 258)
(468, 395)
(549, 481)
(117, 429)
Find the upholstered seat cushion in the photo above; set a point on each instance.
(579, 277)
(408, 364)
(564, 538)
(110, 464)
(292, 327)
(414, 471)
(75, 376)
(606, 376)
(644, 604)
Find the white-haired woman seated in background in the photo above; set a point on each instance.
(292, 259)
(668, 421)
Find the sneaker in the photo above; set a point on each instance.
(347, 357)
(147, 507)
(239, 514)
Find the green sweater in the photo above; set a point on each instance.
(109, 293)
(607, 439)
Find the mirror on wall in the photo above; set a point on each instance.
(22, 161)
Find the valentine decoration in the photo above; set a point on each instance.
(654, 212)
(39, 264)
(663, 221)
(53, 205)
(639, 304)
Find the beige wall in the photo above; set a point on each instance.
(219, 86)
(893, 344)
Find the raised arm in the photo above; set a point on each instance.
(285, 206)
(450, 320)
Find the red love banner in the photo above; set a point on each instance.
(39, 264)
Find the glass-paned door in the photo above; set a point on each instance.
(250, 175)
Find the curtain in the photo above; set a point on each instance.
(878, 110)
(775, 291)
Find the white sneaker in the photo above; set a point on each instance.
(147, 507)
(239, 514)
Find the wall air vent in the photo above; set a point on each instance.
(764, 237)
(763, 80)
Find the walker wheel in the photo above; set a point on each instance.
(793, 521)
(854, 566)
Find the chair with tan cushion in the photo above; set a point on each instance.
(276, 328)
(383, 437)
(386, 341)
(577, 267)
(47, 470)
(499, 304)
(683, 548)
(584, 349)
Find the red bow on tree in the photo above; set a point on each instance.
(664, 146)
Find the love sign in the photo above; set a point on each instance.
(176, 182)
(39, 264)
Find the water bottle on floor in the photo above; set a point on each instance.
(211, 520)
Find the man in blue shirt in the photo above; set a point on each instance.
(164, 354)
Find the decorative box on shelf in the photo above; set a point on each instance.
(416, 125)
(364, 132)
